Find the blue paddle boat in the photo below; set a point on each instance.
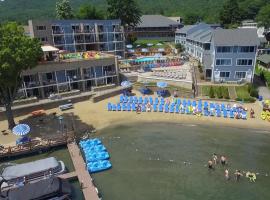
(98, 166)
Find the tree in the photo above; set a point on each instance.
(180, 48)
(63, 9)
(230, 13)
(192, 18)
(263, 18)
(126, 10)
(87, 11)
(18, 52)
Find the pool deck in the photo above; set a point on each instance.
(88, 189)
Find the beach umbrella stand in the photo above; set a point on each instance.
(162, 91)
(21, 130)
(126, 87)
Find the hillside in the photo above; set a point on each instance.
(22, 10)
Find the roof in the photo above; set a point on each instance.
(48, 48)
(201, 35)
(185, 29)
(265, 58)
(156, 21)
(42, 189)
(25, 169)
(238, 37)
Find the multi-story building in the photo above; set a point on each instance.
(65, 72)
(226, 54)
(155, 27)
(80, 35)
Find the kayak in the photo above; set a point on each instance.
(98, 166)
(92, 157)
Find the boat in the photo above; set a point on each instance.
(89, 142)
(31, 171)
(92, 157)
(46, 189)
(96, 148)
(98, 166)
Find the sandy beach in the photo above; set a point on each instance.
(96, 114)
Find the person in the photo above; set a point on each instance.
(223, 160)
(210, 164)
(214, 157)
(252, 113)
(227, 177)
(138, 109)
(238, 174)
(148, 107)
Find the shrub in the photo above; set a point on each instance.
(219, 92)
(211, 92)
(225, 92)
(254, 93)
(202, 77)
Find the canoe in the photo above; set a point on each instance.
(92, 157)
(98, 166)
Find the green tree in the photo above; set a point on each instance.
(63, 9)
(126, 10)
(180, 48)
(230, 13)
(192, 18)
(18, 52)
(263, 18)
(87, 11)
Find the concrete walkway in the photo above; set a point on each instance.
(264, 91)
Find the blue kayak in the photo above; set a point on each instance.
(89, 142)
(92, 149)
(92, 157)
(98, 166)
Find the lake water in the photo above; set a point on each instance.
(161, 161)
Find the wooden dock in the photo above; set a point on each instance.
(88, 188)
(68, 176)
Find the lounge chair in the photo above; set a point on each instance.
(166, 109)
(184, 103)
(155, 108)
(124, 107)
(113, 107)
(178, 101)
(222, 106)
(135, 99)
(133, 107)
(205, 105)
(130, 99)
(188, 103)
(146, 100)
(218, 113)
(121, 98)
(160, 108)
(128, 107)
(140, 100)
(118, 107)
(143, 108)
(194, 104)
(109, 107)
(231, 114)
(205, 112)
(151, 100)
(211, 113)
(171, 109)
(162, 100)
(177, 109)
(225, 113)
(244, 115)
(156, 100)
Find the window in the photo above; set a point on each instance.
(43, 39)
(41, 28)
(224, 49)
(240, 74)
(246, 49)
(224, 62)
(244, 62)
(224, 74)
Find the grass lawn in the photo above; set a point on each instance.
(144, 42)
(242, 92)
(219, 91)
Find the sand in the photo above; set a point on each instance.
(96, 114)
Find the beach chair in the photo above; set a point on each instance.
(146, 100)
(166, 109)
(178, 102)
(124, 107)
(212, 106)
(218, 113)
(184, 103)
(223, 107)
(171, 109)
(160, 108)
(205, 105)
(113, 107)
(189, 103)
(177, 109)
(194, 104)
(118, 107)
(199, 108)
(244, 115)
(162, 101)
(109, 107)
(155, 108)
(225, 113)
(128, 107)
(125, 99)
(205, 112)
(211, 113)
(130, 99)
(121, 98)
(135, 99)
(217, 106)
(151, 100)
(231, 114)
(133, 107)
(143, 108)
(140, 100)
(156, 100)
(187, 110)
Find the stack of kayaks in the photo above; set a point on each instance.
(96, 155)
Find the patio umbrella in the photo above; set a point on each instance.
(21, 129)
(159, 44)
(149, 44)
(126, 84)
(162, 84)
(129, 46)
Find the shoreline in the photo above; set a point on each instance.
(96, 114)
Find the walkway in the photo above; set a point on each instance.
(232, 92)
(89, 190)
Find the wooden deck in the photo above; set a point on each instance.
(89, 190)
(68, 176)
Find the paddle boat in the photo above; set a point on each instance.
(96, 148)
(98, 166)
(92, 157)
(89, 143)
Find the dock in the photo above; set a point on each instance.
(88, 188)
(68, 176)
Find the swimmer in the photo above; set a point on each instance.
(227, 177)
(210, 164)
(223, 160)
(214, 157)
(237, 174)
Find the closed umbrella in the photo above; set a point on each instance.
(21, 129)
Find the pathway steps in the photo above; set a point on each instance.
(88, 189)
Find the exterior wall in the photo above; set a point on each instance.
(234, 56)
(103, 35)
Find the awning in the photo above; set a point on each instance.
(48, 48)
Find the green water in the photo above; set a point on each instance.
(60, 154)
(148, 162)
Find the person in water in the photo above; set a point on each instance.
(223, 160)
(227, 176)
(238, 174)
(210, 164)
(215, 158)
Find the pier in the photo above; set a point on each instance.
(88, 188)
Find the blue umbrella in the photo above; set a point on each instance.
(21, 129)
(162, 84)
(126, 84)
